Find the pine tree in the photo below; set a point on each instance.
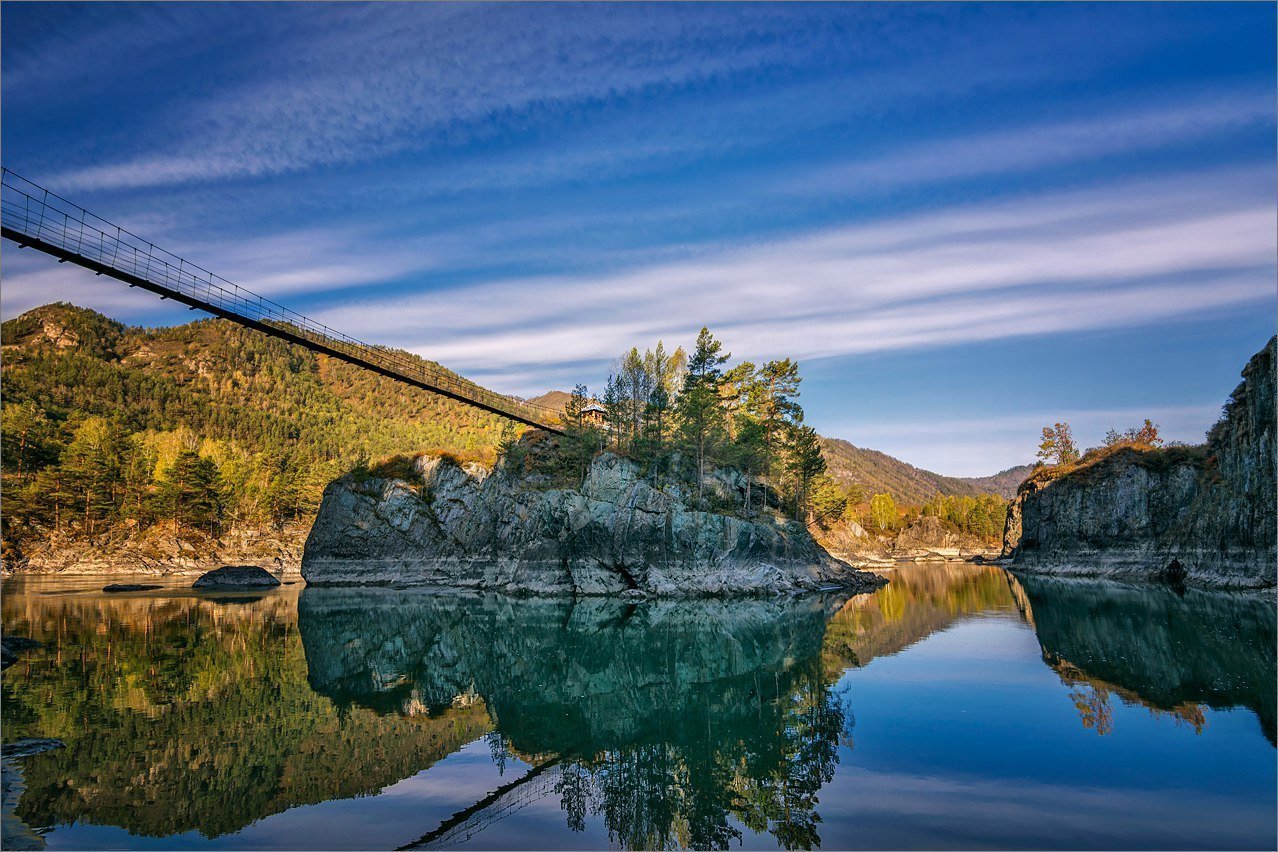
(805, 461)
(614, 412)
(702, 420)
(577, 401)
(91, 468)
(828, 501)
(189, 493)
(772, 399)
(26, 435)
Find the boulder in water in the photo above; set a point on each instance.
(236, 577)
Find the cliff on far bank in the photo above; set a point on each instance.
(1131, 511)
(442, 523)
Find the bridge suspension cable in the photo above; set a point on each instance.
(31, 215)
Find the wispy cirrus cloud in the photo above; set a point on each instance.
(1116, 131)
(345, 85)
(1063, 262)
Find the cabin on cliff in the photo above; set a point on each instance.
(593, 415)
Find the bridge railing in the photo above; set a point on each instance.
(43, 217)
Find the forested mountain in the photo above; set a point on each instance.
(875, 472)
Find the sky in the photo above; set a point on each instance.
(965, 221)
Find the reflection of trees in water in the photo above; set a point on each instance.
(674, 723)
(1091, 698)
(182, 714)
(686, 794)
(919, 601)
(1172, 654)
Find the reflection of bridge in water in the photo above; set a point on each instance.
(33, 217)
(533, 785)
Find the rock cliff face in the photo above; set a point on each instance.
(474, 527)
(1132, 512)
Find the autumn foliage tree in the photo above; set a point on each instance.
(1058, 445)
(1145, 435)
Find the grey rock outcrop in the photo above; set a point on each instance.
(1132, 512)
(236, 577)
(469, 526)
(12, 646)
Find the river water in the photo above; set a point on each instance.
(960, 706)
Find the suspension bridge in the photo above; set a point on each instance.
(34, 217)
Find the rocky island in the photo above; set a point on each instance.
(469, 525)
(1202, 514)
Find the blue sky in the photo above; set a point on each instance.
(965, 221)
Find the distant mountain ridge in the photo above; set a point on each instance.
(876, 472)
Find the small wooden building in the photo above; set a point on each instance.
(593, 415)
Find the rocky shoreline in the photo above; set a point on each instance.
(161, 553)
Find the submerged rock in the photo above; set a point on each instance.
(1134, 512)
(11, 646)
(20, 643)
(236, 577)
(129, 587)
(470, 526)
(28, 746)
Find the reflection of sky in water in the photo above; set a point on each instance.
(962, 738)
(968, 740)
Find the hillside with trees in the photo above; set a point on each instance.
(874, 472)
(201, 428)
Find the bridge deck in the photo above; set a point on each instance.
(32, 216)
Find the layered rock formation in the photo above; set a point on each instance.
(470, 526)
(1133, 511)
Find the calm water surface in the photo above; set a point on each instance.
(957, 707)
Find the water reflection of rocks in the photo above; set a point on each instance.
(676, 720)
(1172, 653)
(671, 720)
